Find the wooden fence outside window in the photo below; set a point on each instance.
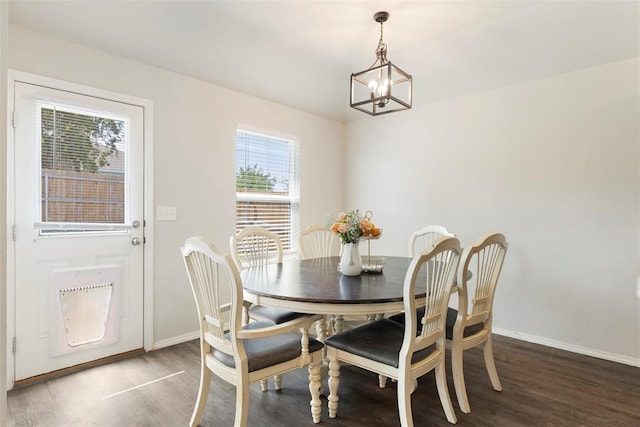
(274, 216)
(69, 196)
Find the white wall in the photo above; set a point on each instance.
(194, 155)
(553, 164)
(4, 25)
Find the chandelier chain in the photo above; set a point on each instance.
(381, 50)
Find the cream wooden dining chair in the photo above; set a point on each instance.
(256, 246)
(424, 238)
(317, 241)
(470, 325)
(236, 354)
(405, 352)
(419, 241)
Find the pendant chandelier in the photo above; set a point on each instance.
(382, 88)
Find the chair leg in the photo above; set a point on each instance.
(203, 393)
(443, 391)
(458, 377)
(491, 364)
(264, 385)
(242, 403)
(314, 388)
(404, 402)
(277, 382)
(382, 381)
(334, 382)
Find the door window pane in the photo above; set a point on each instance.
(82, 167)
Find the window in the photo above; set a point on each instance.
(268, 185)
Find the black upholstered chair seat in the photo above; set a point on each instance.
(380, 341)
(452, 313)
(269, 351)
(262, 313)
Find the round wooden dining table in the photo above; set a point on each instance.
(316, 286)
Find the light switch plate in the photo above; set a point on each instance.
(165, 213)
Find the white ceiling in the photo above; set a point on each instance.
(302, 53)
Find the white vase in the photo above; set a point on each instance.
(350, 261)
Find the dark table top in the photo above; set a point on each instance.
(319, 281)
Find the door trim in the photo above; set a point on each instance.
(147, 106)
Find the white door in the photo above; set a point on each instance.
(79, 231)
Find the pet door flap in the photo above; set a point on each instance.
(85, 311)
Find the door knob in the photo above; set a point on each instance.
(136, 241)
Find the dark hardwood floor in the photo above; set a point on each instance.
(542, 387)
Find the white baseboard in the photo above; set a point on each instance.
(176, 340)
(568, 347)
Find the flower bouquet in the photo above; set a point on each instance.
(351, 227)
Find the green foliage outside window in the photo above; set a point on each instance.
(254, 179)
(78, 142)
